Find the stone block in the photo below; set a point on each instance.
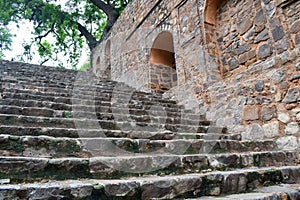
(233, 64)
(287, 143)
(298, 117)
(260, 19)
(268, 113)
(295, 111)
(244, 26)
(277, 33)
(234, 183)
(262, 36)
(264, 51)
(242, 49)
(170, 188)
(282, 46)
(271, 129)
(292, 128)
(259, 85)
(242, 58)
(292, 95)
(295, 28)
(250, 113)
(278, 76)
(254, 133)
(283, 117)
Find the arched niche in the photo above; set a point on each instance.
(210, 25)
(163, 75)
(107, 55)
(211, 9)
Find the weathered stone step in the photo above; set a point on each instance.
(48, 72)
(32, 168)
(144, 110)
(47, 83)
(35, 121)
(97, 101)
(86, 93)
(276, 192)
(156, 187)
(25, 67)
(53, 77)
(38, 78)
(63, 87)
(150, 117)
(59, 88)
(92, 133)
(105, 146)
(115, 92)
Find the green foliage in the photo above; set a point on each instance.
(85, 66)
(5, 40)
(56, 26)
(67, 114)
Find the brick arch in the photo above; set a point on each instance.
(107, 62)
(163, 75)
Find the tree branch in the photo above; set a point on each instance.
(111, 12)
(40, 37)
(89, 37)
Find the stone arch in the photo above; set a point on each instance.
(211, 9)
(163, 75)
(107, 61)
(233, 28)
(210, 27)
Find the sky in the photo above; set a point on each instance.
(22, 34)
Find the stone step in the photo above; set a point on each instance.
(155, 187)
(46, 83)
(83, 101)
(108, 146)
(94, 133)
(34, 121)
(83, 87)
(276, 192)
(103, 95)
(87, 90)
(60, 87)
(138, 110)
(38, 78)
(26, 67)
(151, 117)
(27, 169)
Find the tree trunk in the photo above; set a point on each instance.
(92, 42)
(110, 11)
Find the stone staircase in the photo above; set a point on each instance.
(67, 135)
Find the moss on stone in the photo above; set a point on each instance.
(272, 177)
(256, 160)
(67, 114)
(247, 144)
(13, 145)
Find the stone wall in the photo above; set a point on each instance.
(162, 78)
(237, 61)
